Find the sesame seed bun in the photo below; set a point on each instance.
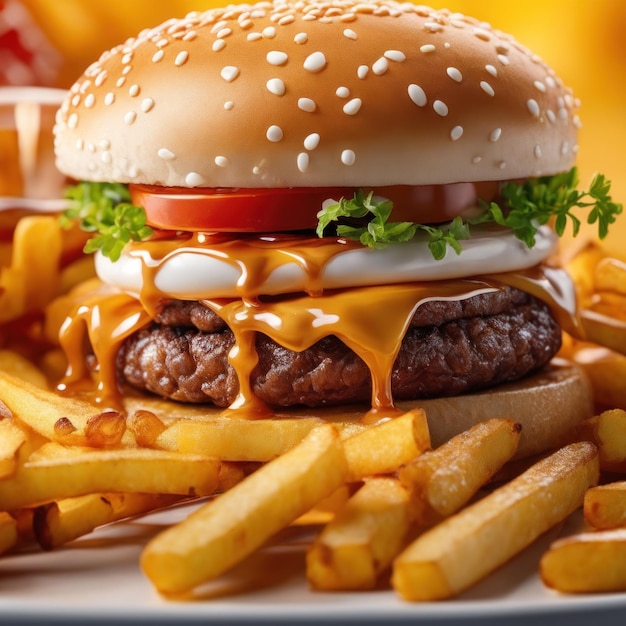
(307, 95)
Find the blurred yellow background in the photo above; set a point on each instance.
(583, 40)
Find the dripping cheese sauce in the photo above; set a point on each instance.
(370, 319)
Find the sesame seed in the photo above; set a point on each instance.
(100, 78)
(90, 100)
(537, 151)
(221, 161)
(193, 179)
(362, 71)
(481, 33)
(147, 104)
(301, 38)
(162, 43)
(105, 144)
(276, 86)
(106, 157)
(76, 100)
(342, 92)
(158, 55)
(352, 107)
(565, 148)
(380, 66)
(492, 70)
(224, 32)
(551, 116)
(80, 144)
(229, 73)
(274, 57)
(286, 19)
(269, 32)
(433, 27)
(165, 154)
(417, 95)
(533, 107)
(181, 58)
(127, 58)
(350, 34)
(456, 133)
(487, 88)
(133, 91)
(302, 162)
(72, 121)
(454, 74)
(229, 105)
(502, 165)
(440, 108)
(348, 157)
(254, 36)
(429, 47)
(315, 62)
(190, 36)
(127, 69)
(306, 104)
(130, 117)
(503, 59)
(109, 99)
(274, 133)
(395, 55)
(540, 86)
(311, 141)
(495, 134)
(477, 159)
(120, 81)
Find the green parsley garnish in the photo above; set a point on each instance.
(528, 206)
(106, 209)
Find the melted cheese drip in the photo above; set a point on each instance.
(371, 320)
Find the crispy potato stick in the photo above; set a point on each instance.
(57, 523)
(586, 563)
(12, 438)
(464, 548)
(581, 267)
(441, 481)
(363, 538)
(610, 435)
(605, 505)
(604, 330)
(230, 527)
(384, 447)
(8, 532)
(610, 275)
(41, 410)
(99, 471)
(18, 365)
(236, 440)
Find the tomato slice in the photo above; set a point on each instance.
(265, 210)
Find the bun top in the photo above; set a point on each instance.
(309, 94)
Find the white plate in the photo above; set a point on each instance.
(97, 580)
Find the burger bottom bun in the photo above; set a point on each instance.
(548, 404)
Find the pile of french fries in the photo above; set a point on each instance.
(388, 509)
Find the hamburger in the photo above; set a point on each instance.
(311, 207)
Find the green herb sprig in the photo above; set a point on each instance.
(528, 206)
(106, 209)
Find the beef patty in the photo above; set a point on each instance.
(451, 347)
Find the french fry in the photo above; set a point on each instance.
(441, 481)
(386, 446)
(610, 275)
(610, 436)
(17, 365)
(605, 505)
(12, 438)
(224, 531)
(8, 532)
(99, 471)
(57, 523)
(458, 552)
(236, 440)
(41, 409)
(586, 562)
(362, 540)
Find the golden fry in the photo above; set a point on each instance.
(82, 472)
(586, 563)
(12, 438)
(610, 435)
(8, 532)
(458, 552)
(236, 440)
(441, 481)
(57, 523)
(605, 505)
(610, 275)
(362, 540)
(227, 529)
(386, 446)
